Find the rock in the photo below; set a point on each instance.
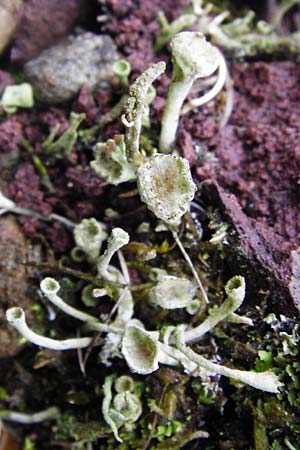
(42, 24)
(13, 282)
(58, 73)
(270, 263)
(9, 18)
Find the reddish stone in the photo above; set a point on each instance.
(255, 250)
(60, 238)
(134, 26)
(52, 117)
(258, 152)
(26, 191)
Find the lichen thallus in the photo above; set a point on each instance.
(165, 185)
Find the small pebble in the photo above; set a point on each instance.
(59, 72)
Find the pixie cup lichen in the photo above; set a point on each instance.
(235, 291)
(122, 69)
(89, 235)
(173, 292)
(193, 57)
(134, 110)
(111, 162)
(165, 184)
(117, 239)
(122, 409)
(140, 350)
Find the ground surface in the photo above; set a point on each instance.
(251, 168)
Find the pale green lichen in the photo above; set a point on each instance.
(89, 235)
(235, 290)
(193, 57)
(63, 146)
(134, 110)
(122, 69)
(168, 30)
(16, 318)
(111, 162)
(167, 199)
(140, 350)
(117, 240)
(17, 96)
(166, 186)
(122, 409)
(173, 292)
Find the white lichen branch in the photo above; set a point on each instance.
(213, 92)
(28, 419)
(16, 317)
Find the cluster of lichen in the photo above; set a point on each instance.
(165, 185)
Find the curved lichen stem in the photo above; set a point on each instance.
(281, 10)
(193, 58)
(8, 206)
(16, 317)
(178, 92)
(265, 381)
(27, 419)
(213, 92)
(50, 287)
(235, 297)
(134, 110)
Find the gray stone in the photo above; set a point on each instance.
(59, 72)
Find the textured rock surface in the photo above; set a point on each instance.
(263, 256)
(58, 73)
(257, 155)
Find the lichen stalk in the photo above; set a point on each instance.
(134, 110)
(16, 317)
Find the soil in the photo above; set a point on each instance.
(248, 177)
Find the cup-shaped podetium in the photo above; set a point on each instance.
(89, 235)
(128, 406)
(172, 293)
(166, 186)
(235, 290)
(124, 383)
(140, 350)
(193, 57)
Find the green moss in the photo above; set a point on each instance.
(70, 428)
(4, 394)
(29, 444)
